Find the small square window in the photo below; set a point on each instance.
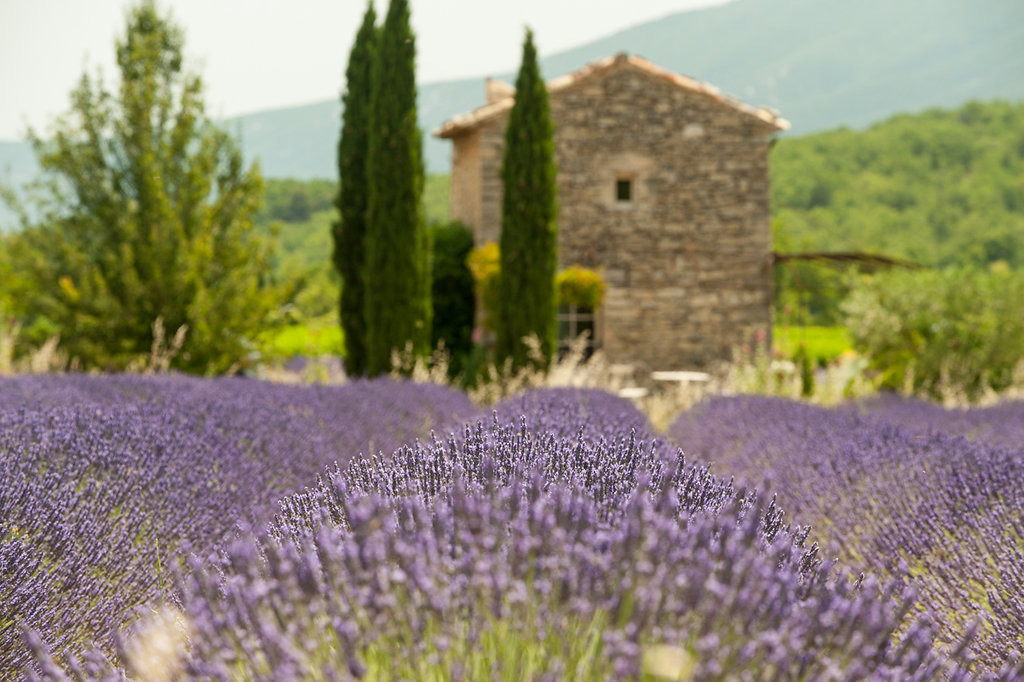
(624, 190)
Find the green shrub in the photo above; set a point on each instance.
(484, 263)
(576, 285)
(452, 292)
(579, 286)
(936, 330)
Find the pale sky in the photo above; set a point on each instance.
(264, 54)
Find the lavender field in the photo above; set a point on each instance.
(904, 490)
(108, 483)
(161, 528)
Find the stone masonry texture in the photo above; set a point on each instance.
(688, 259)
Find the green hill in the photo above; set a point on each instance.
(943, 187)
(300, 215)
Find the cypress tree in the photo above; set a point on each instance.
(529, 233)
(349, 231)
(398, 309)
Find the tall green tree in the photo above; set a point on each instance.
(397, 275)
(529, 212)
(350, 230)
(146, 213)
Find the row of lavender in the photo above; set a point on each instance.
(558, 521)
(559, 518)
(106, 483)
(901, 489)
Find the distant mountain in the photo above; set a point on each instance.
(301, 142)
(822, 63)
(17, 167)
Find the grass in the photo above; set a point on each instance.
(823, 344)
(312, 339)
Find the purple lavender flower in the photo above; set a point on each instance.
(102, 479)
(505, 551)
(406, 584)
(555, 539)
(900, 492)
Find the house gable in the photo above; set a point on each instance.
(500, 96)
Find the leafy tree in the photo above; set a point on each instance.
(299, 208)
(933, 331)
(397, 272)
(146, 213)
(6, 274)
(280, 200)
(350, 230)
(529, 232)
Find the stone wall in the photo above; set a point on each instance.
(688, 259)
(476, 179)
(464, 192)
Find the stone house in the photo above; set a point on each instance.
(662, 187)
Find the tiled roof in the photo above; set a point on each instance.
(464, 122)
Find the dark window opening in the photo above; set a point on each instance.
(624, 189)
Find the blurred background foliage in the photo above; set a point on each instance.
(943, 189)
(142, 212)
(939, 188)
(452, 293)
(936, 330)
(299, 213)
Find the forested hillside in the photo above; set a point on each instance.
(299, 213)
(944, 187)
